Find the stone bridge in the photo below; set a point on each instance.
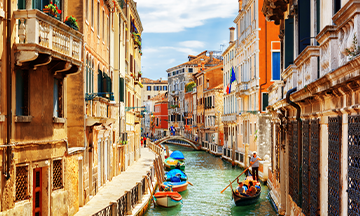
(193, 144)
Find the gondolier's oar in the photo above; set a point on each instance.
(190, 183)
(237, 177)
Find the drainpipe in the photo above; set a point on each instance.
(9, 91)
(299, 125)
(266, 62)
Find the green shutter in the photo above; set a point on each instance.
(21, 4)
(100, 81)
(265, 101)
(122, 90)
(304, 24)
(289, 42)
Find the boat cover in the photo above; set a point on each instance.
(178, 155)
(172, 162)
(175, 175)
(175, 183)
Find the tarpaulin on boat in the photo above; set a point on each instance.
(178, 155)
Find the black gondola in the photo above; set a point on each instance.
(242, 200)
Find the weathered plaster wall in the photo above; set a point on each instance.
(264, 135)
(59, 202)
(71, 176)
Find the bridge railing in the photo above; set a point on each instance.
(157, 149)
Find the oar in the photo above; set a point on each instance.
(237, 177)
(190, 183)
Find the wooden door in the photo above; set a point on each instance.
(37, 192)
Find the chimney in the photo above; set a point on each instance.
(211, 56)
(160, 79)
(231, 34)
(203, 65)
(240, 5)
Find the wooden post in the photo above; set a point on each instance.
(114, 209)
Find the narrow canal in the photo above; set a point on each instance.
(209, 175)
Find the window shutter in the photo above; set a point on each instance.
(289, 42)
(265, 101)
(304, 24)
(99, 80)
(122, 89)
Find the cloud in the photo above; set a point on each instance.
(165, 16)
(192, 44)
(164, 49)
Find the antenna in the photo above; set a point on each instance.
(222, 47)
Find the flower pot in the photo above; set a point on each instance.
(72, 25)
(139, 75)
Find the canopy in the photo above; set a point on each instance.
(178, 155)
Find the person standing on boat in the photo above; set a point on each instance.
(254, 163)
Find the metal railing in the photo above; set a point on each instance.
(108, 95)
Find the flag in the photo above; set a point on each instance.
(233, 76)
(227, 89)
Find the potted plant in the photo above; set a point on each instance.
(72, 22)
(52, 10)
(139, 74)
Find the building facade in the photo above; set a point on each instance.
(258, 60)
(62, 140)
(178, 77)
(152, 88)
(314, 111)
(161, 117)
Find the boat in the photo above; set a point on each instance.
(167, 199)
(170, 163)
(177, 155)
(175, 175)
(176, 186)
(241, 200)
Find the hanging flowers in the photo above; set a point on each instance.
(52, 10)
(72, 22)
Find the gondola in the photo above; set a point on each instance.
(242, 200)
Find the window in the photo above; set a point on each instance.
(160, 88)
(337, 5)
(40, 4)
(103, 25)
(148, 88)
(22, 183)
(92, 13)
(190, 70)
(58, 98)
(250, 128)
(265, 101)
(165, 88)
(98, 18)
(122, 90)
(275, 65)
(22, 93)
(169, 74)
(57, 174)
(87, 9)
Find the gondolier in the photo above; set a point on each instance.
(254, 163)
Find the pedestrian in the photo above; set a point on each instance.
(141, 140)
(144, 142)
(254, 163)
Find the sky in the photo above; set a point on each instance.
(174, 29)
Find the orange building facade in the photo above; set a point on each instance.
(161, 117)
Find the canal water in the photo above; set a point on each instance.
(210, 175)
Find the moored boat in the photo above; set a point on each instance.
(243, 199)
(170, 163)
(167, 199)
(175, 175)
(177, 155)
(176, 186)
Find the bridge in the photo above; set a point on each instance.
(193, 144)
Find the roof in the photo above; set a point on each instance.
(218, 87)
(150, 81)
(208, 69)
(158, 97)
(198, 60)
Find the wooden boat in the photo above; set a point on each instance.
(176, 186)
(175, 175)
(167, 199)
(177, 155)
(170, 163)
(245, 200)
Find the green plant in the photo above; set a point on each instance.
(71, 21)
(354, 50)
(52, 9)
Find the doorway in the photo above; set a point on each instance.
(37, 192)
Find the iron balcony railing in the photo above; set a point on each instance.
(108, 95)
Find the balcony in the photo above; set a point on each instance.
(275, 93)
(329, 49)
(100, 110)
(307, 66)
(243, 86)
(229, 118)
(290, 78)
(45, 40)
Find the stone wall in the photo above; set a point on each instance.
(71, 174)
